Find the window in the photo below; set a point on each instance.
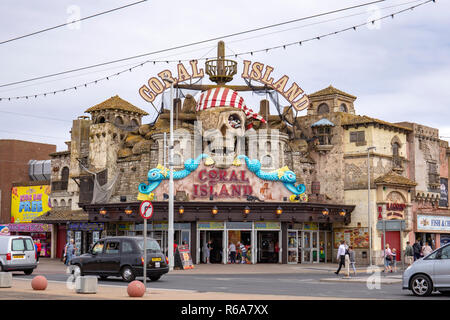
(101, 120)
(134, 123)
(18, 245)
(267, 161)
(324, 136)
(343, 108)
(177, 161)
(433, 175)
(98, 247)
(151, 245)
(65, 174)
(127, 247)
(395, 148)
(445, 252)
(358, 137)
(63, 203)
(118, 121)
(29, 245)
(112, 247)
(323, 108)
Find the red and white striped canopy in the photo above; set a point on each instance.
(224, 97)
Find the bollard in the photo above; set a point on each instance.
(347, 266)
(39, 283)
(5, 279)
(86, 284)
(136, 289)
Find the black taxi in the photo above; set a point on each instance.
(122, 256)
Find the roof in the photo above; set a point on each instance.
(392, 178)
(351, 119)
(116, 103)
(62, 215)
(60, 153)
(323, 123)
(330, 90)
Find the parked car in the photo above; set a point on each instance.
(122, 256)
(431, 273)
(17, 253)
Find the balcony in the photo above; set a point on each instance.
(59, 185)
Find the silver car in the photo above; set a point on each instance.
(431, 273)
(17, 253)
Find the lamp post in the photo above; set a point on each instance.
(368, 204)
(170, 222)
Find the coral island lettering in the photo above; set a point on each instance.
(256, 71)
(222, 184)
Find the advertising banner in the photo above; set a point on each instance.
(4, 230)
(185, 256)
(206, 225)
(29, 227)
(443, 200)
(356, 237)
(262, 225)
(28, 203)
(433, 223)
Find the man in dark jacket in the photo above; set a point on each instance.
(417, 250)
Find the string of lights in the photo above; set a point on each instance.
(191, 44)
(266, 50)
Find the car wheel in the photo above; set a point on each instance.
(127, 274)
(421, 285)
(155, 278)
(76, 270)
(28, 272)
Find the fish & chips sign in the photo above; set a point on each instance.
(256, 71)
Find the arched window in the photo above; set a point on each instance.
(65, 174)
(101, 120)
(55, 203)
(118, 121)
(266, 161)
(268, 146)
(70, 203)
(323, 108)
(343, 108)
(63, 203)
(395, 148)
(134, 123)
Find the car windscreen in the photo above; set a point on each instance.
(151, 245)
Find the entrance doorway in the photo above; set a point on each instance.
(393, 239)
(244, 237)
(216, 253)
(268, 247)
(309, 246)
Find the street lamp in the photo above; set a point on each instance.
(368, 204)
(170, 222)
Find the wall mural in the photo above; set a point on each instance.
(241, 186)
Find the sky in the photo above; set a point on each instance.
(399, 69)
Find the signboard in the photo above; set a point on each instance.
(443, 200)
(433, 223)
(391, 225)
(86, 226)
(256, 71)
(4, 230)
(185, 256)
(262, 225)
(29, 227)
(207, 225)
(356, 237)
(146, 209)
(28, 203)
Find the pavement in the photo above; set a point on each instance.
(58, 290)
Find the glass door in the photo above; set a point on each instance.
(306, 246)
(323, 246)
(315, 246)
(292, 246)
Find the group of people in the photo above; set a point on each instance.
(346, 255)
(238, 252)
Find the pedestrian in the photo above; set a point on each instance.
(232, 249)
(426, 249)
(69, 251)
(38, 249)
(207, 251)
(409, 254)
(394, 260)
(351, 255)
(277, 252)
(387, 258)
(243, 252)
(417, 250)
(341, 256)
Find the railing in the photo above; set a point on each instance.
(59, 185)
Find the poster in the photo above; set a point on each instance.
(356, 237)
(4, 230)
(28, 203)
(443, 200)
(185, 256)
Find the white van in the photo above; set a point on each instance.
(17, 253)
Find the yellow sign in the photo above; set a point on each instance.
(28, 203)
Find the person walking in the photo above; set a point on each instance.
(69, 251)
(38, 249)
(394, 260)
(232, 249)
(387, 259)
(207, 251)
(243, 252)
(341, 256)
(426, 249)
(409, 254)
(417, 250)
(351, 255)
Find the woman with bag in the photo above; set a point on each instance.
(387, 259)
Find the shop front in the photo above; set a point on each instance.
(433, 229)
(38, 231)
(85, 234)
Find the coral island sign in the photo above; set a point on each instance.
(252, 71)
(222, 183)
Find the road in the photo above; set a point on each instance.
(307, 284)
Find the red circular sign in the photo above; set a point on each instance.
(146, 209)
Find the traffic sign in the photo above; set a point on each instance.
(146, 209)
